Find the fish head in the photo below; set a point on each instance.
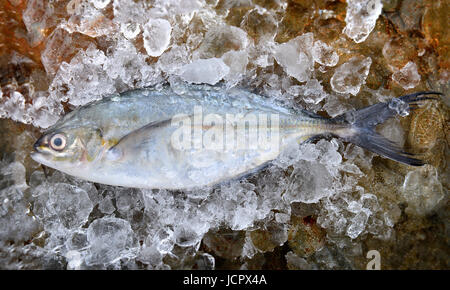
(68, 148)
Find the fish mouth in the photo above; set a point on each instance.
(37, 146)
(37, 156)
(41, 157)
(39, 153)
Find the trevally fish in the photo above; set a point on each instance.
(198, 136)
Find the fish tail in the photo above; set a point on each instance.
(361, 124)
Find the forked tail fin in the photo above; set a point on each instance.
(363, 122)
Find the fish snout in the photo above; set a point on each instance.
(39, 154)
(38, 144)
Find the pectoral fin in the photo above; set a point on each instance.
(135, 139)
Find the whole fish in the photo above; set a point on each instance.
(198, 136)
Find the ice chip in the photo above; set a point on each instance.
(392, 216)
(221, 39)
(295, 56)
(399, 106)
(357, 225)
(309, 183)
(157, 36)
(297, 263)
(408, 76)
(88, 20)
(422, 190)
(15, 108)
(15, 222)
(130, 30)
(71, 204)
(126, 200)
(129, 11)
(324, 54)
(74, 260)
(110, 239)
(175, 7)
(354, 207)
(60, 47)
(185, 236)
(209, 71)
(100, 4)
(204, 261)
(86, 87)
(106, 206)
(237, 62)
(38, 19)
(77, 240)
(350, 76)
(260, 24)
(312, 92)
(361, 18)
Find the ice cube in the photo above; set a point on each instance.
(129, 11)
(295, 56)
(130, 30)
(221, 39)
(88, 67)
(74, 260)
(294, 262)
(361, 18)
(156, 36)
(100, 4)
(106, 206)
(88, 20)
(225, 243)
(70, 203)
(14, 108)
(175, 7)
(309, 182)
(408, 76)
(60, 47)
(312, 92)
(77, 240)
(357, 224)
(209, 71)
(401, 107)
(16, 222)
(110, 239)
(324, 54)
(260, 24)
(350, 76)
(40, 17)
(392, 216)
(237, 62)
(422, 190)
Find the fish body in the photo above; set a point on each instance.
(189, 138)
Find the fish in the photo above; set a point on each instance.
(166, 137)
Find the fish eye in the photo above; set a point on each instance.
(58, 142)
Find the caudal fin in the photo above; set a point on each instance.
(363, 122)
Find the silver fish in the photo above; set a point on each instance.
(199, 136)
